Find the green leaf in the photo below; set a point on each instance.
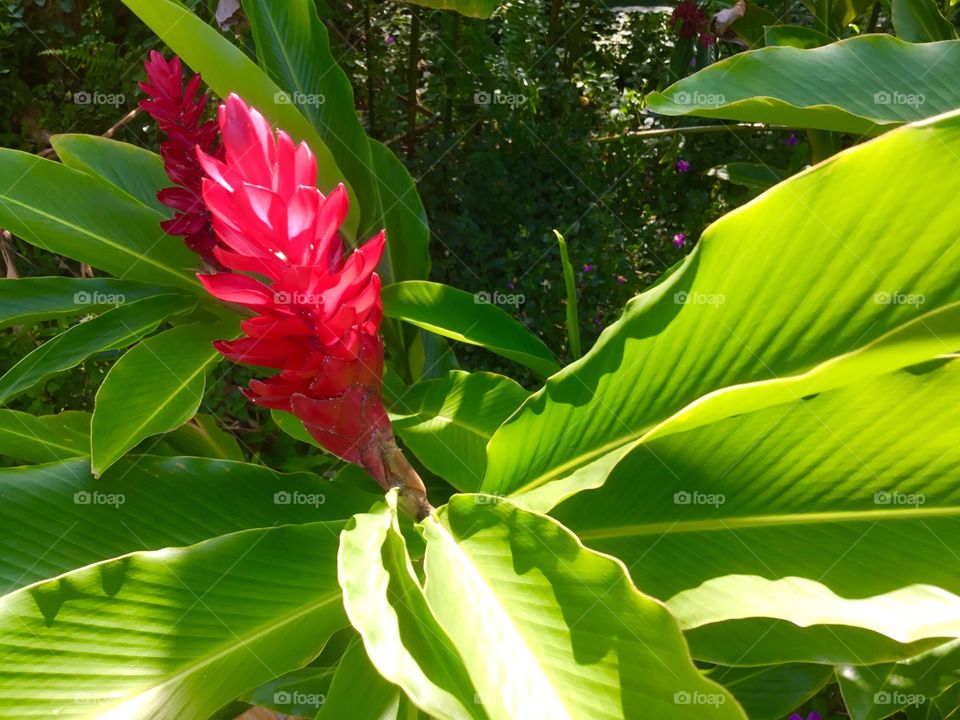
(771, 692)
(58, 517)
(468, 318)
(573, 322)
(878, 691)
(33, 299)
(470, 8)
(797, 36)
(137, 172)
(71, 213)
(920, 21)
(293, 48)
(555, 630)
(755, 176)
(46, 438)
(448, 422)
(203, 437)
(142, 635)
(226, 69)
(385, 603)
(360, 692)
(155, 387)
(297, 693)
(292, 426)
(751, 25)
(780, 85)
(851, 490)
(774, 297)
(118, 327)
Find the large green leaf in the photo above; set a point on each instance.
(555, 630)
(778, 296)
(143, 635)
(32, 299)
(852, 490)
(385, 603)
(448, 422)
(877, 691)
(359, 692)
(71, 213)
(203, 437)
(879, 82)
(117, 327)
(57, 517)
(470, 8)
(920, 21)
(136, 171)
(155, 387)
(226, 69)
(44, 439)
(473, 319)
(771, 692)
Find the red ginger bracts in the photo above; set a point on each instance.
(177, 111)
(317, 321)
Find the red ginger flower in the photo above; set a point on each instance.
(317, 321)
(177, 111)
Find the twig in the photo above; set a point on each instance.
(125, 120)
(691, 130)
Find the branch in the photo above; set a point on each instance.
(691, 130)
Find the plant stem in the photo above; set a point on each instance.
(690, 130)
(401, 475)
(412, 78)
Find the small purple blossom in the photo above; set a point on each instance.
(679, 239)
(621, 279)
(682, 165)
(792, 140)
(509, 286)
(811, 716)
(390, 40)
(587, 268)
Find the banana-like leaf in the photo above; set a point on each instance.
(118, 327)
(874, 692)
(920, 21)
(141, 636)
(82, 217)
(792, 294)
(359, 691)
(473, 319)
(555, 630)
(448, 422)
(297, 693)
(203, 437)
(46, 438)
(226, 69)
(58, 517)
(782, 85)
(852, 489)
(136, 171)
(33, 299)
(155, 387)
(770, 693)
(798, 36)
(385, 603)
(755, 176)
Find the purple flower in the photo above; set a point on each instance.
(791, 141)
(390, 40)
(621, 279)
(587, 268)
(682, 165)
(811, 716)
(679, 239)
(509, 286)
